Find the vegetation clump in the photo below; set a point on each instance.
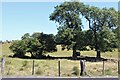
(37, 45)
(75, 70)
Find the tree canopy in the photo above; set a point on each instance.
(102, 22)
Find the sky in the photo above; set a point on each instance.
(19, 18)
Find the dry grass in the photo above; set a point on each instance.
(50, 68)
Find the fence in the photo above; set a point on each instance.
(63, 68)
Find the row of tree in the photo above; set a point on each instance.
(102, 24)
(36, 45)
(101, 36)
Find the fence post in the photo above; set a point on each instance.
(59, 68)
(33, 68)
(103, 67)
(119, 68)
(2, 66)
(82, 66)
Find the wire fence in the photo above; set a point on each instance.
(60, 68)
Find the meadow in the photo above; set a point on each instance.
(69, 68)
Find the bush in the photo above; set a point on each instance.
(25, 63)
(21, 69)
(75, 70)
(38, 71)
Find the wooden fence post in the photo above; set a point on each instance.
(119, 68)
(33, 68)
(59, 68)
(2, 66)
(82, 66)
(103, 67)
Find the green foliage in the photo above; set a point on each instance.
(98, 19)
(107, 40)
(67, 14)
(37, 44)
(70, 32)
(19, 48)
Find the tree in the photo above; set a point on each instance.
(107, 40)
(98, 19)
(37, 45)
(19, 48)
(67, 15)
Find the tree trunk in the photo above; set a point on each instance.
(96, 43)
(95, 38)
(98, 54)
(97, 47)
(74, 52)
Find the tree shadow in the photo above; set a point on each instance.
(87, 58)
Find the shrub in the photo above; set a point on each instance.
(21, 69)
(38, 71)
(75, 70)
(25, 63)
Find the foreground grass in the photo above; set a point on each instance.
(18, 67)
(23, 67)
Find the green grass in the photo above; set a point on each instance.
(23, 67)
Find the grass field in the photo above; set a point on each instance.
(23, 67)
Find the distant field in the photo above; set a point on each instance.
(5, 49)
(22, 67)
(91, 53)
(114, 55)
